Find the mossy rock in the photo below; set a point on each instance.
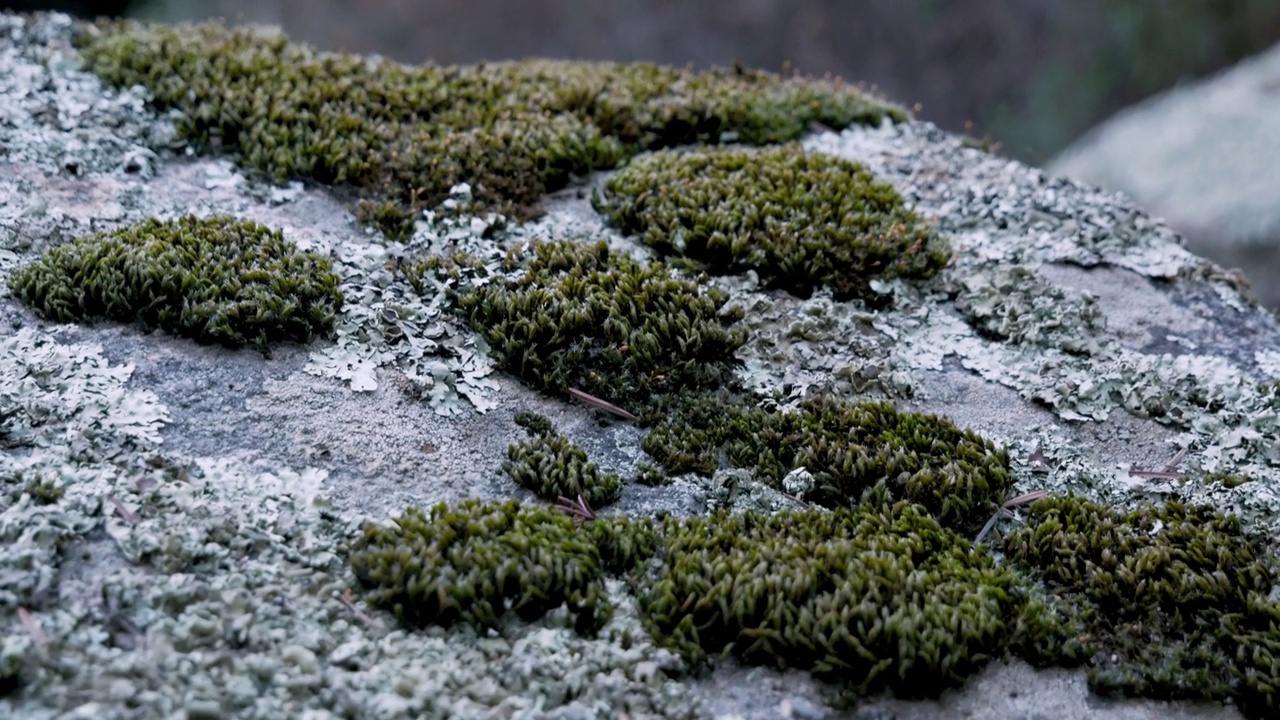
(554, 468)
(881, 598)
(474, 561)
(578, 316)
(1166, 602)
(215, 280)
(515, 131)
(800, 220)
(848, 447)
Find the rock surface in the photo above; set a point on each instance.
(1070, 327)
(1201, 157)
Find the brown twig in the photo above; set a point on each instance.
(1168, 472)
(345, 599)
(1003, 510)
(32, 626)
(129, 516)
(599, 404)
(579, 510)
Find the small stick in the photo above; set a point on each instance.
(1025, 498)
(32, 626)
(345, 598)
(1022, 499)
(124, 512)
(599, 404)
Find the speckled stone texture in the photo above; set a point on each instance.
(1201, 156)
(194, 565)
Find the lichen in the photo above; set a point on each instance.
(553, 467)
(800, 220)
(216, 280)
(514, 130)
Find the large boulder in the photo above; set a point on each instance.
(335, 388)
(1201, 157)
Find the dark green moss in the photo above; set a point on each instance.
(44, 491)
(877, 598)
(553, 467)
(624, 543)
(513, 130)
(800, 220)
(1165, 602)
(650, 476)
(581, 317)
(216, 280)
(848, 447)
(473, 562)
(534, 424)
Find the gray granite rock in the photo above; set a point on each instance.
(1102, 315)
(1203, 157)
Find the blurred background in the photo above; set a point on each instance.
(1031, 76)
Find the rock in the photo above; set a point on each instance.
(1200, 156)
(1069, 343)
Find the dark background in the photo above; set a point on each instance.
(1030, 74)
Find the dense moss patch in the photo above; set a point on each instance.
(216, 280)
(1167, 602)
(578, 316)
(473, 562)
(848, 447)
(877, 598)
(801, 220)
(513, 130)
(553, 467)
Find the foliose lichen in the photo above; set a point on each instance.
(800, 220)
(514, 130)
(553, 467)
(215, 280)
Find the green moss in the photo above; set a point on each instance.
(553, 467)
(216, 280)
(44, 491)
(473, 562)
(624, 543)
(800, 220)
(1165, 602)
(878, 598)
(579, 316)
(650, 476)
(848, 447)
(513, 130)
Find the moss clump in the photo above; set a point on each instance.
(44, 491)
(848, 447)
(877, 598)
(801, 220)
(1164, 602)
(472, 562)
(581, 317)
(624, 544)
(215, 280)
(513, 130)
(553, 467)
